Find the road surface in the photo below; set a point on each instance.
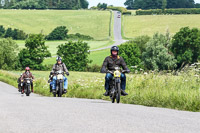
(117, 32)
(37, 114)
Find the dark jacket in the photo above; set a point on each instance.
(110, 63)
(27, 75)
(57, 67)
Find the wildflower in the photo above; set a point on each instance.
(196, 75)
(145, 73)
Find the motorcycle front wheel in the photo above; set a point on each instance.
(28, 90)
(60, 91)
(118, 92)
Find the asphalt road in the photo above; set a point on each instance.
(117, 32)
(36, 114)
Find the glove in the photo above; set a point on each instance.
(67, 73)
(103, 70)
(128, 71)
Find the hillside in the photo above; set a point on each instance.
(92, 23)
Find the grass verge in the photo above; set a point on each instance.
(158, 90)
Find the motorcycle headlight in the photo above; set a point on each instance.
(28, 81)
(60, 76)
(117, 74)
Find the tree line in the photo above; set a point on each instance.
(160, 4)
(44, 4)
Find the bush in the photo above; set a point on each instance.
(8, 54)
(157, 55)
(141, 41)
(127, 13)
(75, 55)
(79, 36)
(131, 53)
(121, 9)
(168, 11)
(2, 31)
(186, 46)
(93, 68)
(59, 33)
(34, 53)
(15, 34)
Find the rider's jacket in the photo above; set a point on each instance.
(110, 63)
(57, 67)
(27, 75)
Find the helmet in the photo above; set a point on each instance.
(27, 69)
(58, 58)
(114, 48)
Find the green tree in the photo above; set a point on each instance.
(2, 31)
(59, 33)
(75, 55)
(102, 6)
(157, 54)
(8, 54)
(141, 41)
(8, 33)
(131, 53)
(34, 53)
(186, 46)
(159, 4)
(164, 4)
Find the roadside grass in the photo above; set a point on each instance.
(149, 24)
(180, 92)
(87, 22)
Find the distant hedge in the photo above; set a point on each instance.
(121, 9)
(169, 11)
(127, 13)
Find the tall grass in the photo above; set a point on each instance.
(180, 91)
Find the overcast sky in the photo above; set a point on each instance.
(113, 2)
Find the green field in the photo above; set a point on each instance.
(97, 57)
(52, 45)
(92, 23)
(134, 26)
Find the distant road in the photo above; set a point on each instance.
(37, 114)
(117, 32)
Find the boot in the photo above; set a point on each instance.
(106, 93)
(32, 89)
(54, 90)
(65, 91)
(50, 88)
(124, 93)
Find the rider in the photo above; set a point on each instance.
(110, 63)
(27, 74)
(59, 66)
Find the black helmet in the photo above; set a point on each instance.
(58, 58)
(114, 48)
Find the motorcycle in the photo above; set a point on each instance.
(27, 84)
(59, 84)
(115, 85)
